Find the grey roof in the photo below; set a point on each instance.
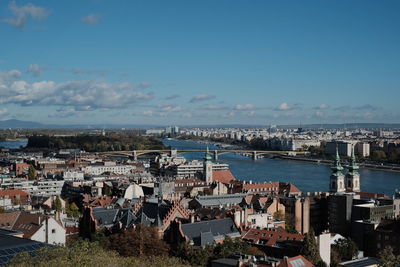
(217, 200)
(108, 217)
(152, 214)
(364, 262)
(205, 232)
(105, 217)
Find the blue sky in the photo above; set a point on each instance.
(200, 62)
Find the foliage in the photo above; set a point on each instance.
(83, 253)
(95, 143)
(202, 256)
(71, 210)
(31, 173)
(138, 241)
(310, 248)
(57, 204)
(345, 249)
(388, 258)
(279, 215)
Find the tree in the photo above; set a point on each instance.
(346, 249)
(83, 253)
(279, 215)
(72, 210)
(139, 241)
(387, 257)
(310, 248)
(31, 173)
(57, 204)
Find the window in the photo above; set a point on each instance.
(53, 231)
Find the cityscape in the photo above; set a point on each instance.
(200, 133)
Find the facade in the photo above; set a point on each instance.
(117, 169)
(353, 176)
(337, 183)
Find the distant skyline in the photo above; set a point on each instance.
(200, 62)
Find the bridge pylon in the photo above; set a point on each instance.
(254, 155)
(215, 154)
(134, 155)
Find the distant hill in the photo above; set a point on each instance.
(36, 125)
(21, 124)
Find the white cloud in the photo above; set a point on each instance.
(187, 115)
(170, 108)
(201, 97)
(244, 107)
(148, 113)
(251, 113)
(229, 114)
(78, 94)
(91, 19)
(3, 111)
(213, 107)
(285, 106)
(322, 106)
(22, 13)
(35, 69)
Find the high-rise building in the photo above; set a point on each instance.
(337, 177)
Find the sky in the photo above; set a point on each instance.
(200, 62)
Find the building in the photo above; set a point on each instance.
(362, 149)
(100, 169)
(337, 183)
(34, 226)
(352, 178)
(203, 233)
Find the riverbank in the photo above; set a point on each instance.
(308, 176)
(371, 166)
(330, 162)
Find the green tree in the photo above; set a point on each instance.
(279, 215)
(57, 204)
(346, 249)
(83, 253)
(138, 241)
(73, 210)
(388, 258)
(31, 173)
(310, 248)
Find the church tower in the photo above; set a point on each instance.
(207, 167)
(337, 177)
(353, 176)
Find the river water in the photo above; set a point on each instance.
(308, 177)
(14, 143)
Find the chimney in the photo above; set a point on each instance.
(39, 220)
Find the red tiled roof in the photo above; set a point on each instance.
(269, 237)
(295, 260)
(223, 176)
(369, 195)
(28, 223)
(262, 186)
(12, 192)
(7, 220)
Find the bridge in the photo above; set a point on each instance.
(174, 152)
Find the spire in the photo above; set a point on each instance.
(353, 164)
(337, 167)
(207, 155)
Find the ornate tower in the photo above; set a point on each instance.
(353, 176)
(337, 177)
(207, 167)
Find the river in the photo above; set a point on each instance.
(308, 177)
(14, 143)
